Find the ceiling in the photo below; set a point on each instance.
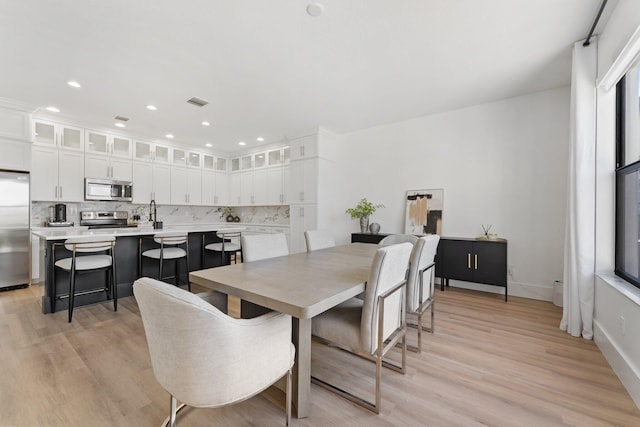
(268, 69)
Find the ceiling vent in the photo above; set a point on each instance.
(197, 102)
(121, 118)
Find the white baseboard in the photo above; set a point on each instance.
(623, 368)
(524, 290)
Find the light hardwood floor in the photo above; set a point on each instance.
(488, 363)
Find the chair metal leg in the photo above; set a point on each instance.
(288, 398)
(72, 291)
(114, 283)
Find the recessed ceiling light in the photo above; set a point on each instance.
(208, 145)
(53, 109)
(74, 83)
(260, 139)
(315, 9)
(242, 143)
(205, 123)
(169, 136)
(120, 125)
(152, 107)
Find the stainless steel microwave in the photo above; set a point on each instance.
(107, 189)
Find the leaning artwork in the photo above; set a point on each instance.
(424, 212)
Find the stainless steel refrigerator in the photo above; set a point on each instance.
(15, 238)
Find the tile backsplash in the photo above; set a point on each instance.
(170, 215)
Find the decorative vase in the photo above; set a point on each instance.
(374, 228)
(236, 219)
(364, 224)
(229, 218)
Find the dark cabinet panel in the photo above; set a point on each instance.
(470, 260)
(367, 238)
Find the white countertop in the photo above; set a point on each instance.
(57, 233)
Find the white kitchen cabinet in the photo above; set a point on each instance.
(304, 147)
(151, 181)
(260, 187)
(57, 175)
(186, 186)
(234, 189)
(58, 135)
(107, 167)
(275, 189)
(278, 156)
(208, 187)
(108, 144)
(246, 188)
(301, 219)
(304, 181)
(14, 123)
(222, 189)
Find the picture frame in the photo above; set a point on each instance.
(423, 212)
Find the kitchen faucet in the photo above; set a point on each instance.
(153, 215)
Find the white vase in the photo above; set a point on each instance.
(364, 224)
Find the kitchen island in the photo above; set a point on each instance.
(128, 241)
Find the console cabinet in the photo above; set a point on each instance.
(472, 260)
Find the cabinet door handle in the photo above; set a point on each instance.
(55, 191)
(469, 261)
(302, 151)
(302, 212)
(476, 260)
(60, 194)
(215, 200)
(302, 196)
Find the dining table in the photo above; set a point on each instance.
(302, 285)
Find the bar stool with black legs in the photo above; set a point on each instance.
(230, 244)
(80, 263)
(174, 245)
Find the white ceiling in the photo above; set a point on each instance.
(269, 69)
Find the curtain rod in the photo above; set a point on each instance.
(595, 22)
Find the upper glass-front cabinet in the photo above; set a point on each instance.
(245, 162)
(208, 162)
(148, 151)
(221, 164)
(194, 159)
(278, 157)
(178, 157)
(235, 164)
(58, 135)
(259, 160)
(104, 143)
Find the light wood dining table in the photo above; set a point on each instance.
(302, 285)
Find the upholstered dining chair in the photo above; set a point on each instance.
(394, 239)
(370, 328)
(256, 247)
(206, 359)
(420, 289)
(318, 239)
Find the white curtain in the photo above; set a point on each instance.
(579, 247)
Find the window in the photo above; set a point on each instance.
(627, 246)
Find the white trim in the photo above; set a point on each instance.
(626, 58)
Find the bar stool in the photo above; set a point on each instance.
(168, 250)
(227, 245)
(86, 263)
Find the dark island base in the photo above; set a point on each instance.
(127, 249)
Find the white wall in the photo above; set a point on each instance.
(501, 163)
(614, 301)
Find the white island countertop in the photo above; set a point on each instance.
(57, 233)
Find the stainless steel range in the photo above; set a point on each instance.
(108, 219)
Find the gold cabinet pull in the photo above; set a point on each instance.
(476, 260)
(469, 261)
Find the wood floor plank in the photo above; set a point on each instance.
(488, 363)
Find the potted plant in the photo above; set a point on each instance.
(363, 210)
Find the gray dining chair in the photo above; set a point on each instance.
(206, 359)
(370, 328)
(318, 239)
(256, 247)
(420, 289)
(394, 239)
